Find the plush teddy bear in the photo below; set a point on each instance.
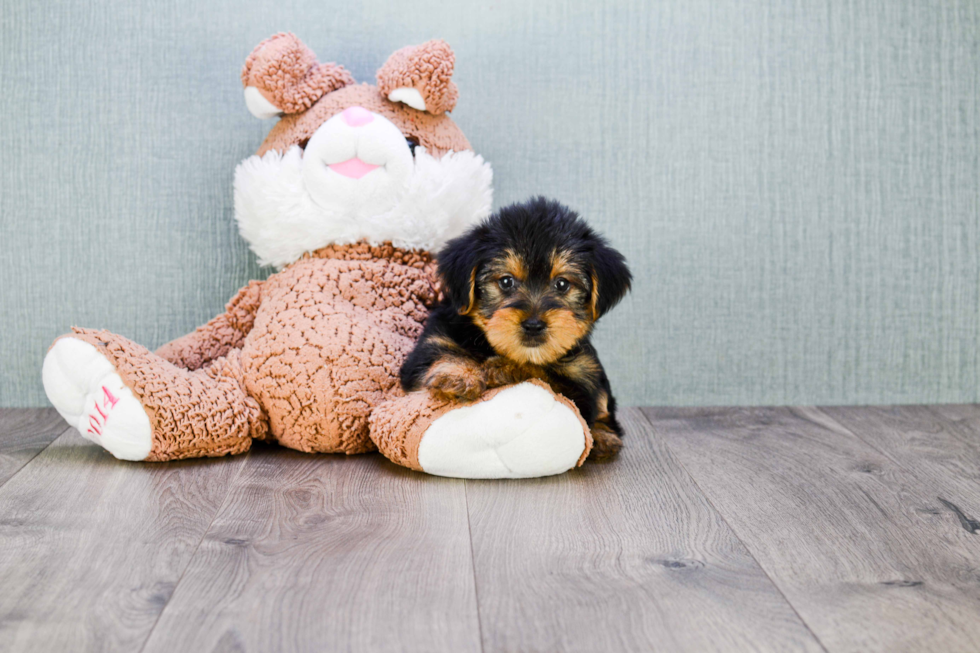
(349, 193)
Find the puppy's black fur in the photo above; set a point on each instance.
(523, 291)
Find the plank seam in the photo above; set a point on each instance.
(193, 555)
(476, 589)
(31, 459)
(680, 464)
(868, 443)
(954, 429)
(836, 422)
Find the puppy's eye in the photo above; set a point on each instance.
(506, 283)
(412, 143)
(562, 284)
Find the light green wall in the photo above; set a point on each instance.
(796, 184)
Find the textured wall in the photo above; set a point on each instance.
(796, 184)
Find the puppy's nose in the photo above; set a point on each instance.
(357, 116)
(533, 326)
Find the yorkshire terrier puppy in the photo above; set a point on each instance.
(522, 292)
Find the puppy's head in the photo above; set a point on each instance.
(535, 278)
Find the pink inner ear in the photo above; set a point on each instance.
(427, 68)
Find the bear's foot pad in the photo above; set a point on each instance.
(87, 391)
(521, 432)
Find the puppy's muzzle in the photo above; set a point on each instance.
(533, 327)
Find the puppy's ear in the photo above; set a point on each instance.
(611, 278)
(458, 264)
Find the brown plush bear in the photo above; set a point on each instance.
(349, 193)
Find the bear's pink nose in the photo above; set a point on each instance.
(357, 116)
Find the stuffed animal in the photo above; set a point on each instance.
(347, 196)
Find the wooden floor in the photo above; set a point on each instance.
(762, 529)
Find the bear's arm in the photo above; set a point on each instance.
(219, 336)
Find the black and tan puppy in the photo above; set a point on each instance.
(522, 293)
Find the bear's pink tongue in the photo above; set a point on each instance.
(353, 168)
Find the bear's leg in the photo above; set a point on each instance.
(139, 406)
(518, 431)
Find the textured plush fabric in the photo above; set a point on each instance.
(192, 414)
(428, 68)
(397, 426)
(287, 73)
(302, 358)
(220, 335)
(442, 198)
(438, 134)
(328, 341)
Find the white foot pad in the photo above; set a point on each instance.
(521, 432)
(85, 388)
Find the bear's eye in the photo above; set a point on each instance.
(412, 143)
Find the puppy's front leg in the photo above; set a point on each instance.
(606, 431)
(606, 443)
(456, 377)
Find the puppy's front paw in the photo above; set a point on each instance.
(456, 380)
(605, 443)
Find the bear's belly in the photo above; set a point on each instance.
(326, 348)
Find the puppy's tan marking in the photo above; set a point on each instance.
(564, 330)
(583, 369)
(594, 305)
(602, 406)
(559, 263)
(563, 265)
(503, 330)
(472, 298)
(447, 343)
(514, 265)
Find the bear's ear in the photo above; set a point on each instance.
(282, 75)
(421, 77)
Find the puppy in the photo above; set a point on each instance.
(522, 292)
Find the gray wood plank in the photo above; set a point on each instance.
(847, 533)
(91, 548)
(963, 422)
(626, 555)
(24, 433)
(936, 444)
(329, 553)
